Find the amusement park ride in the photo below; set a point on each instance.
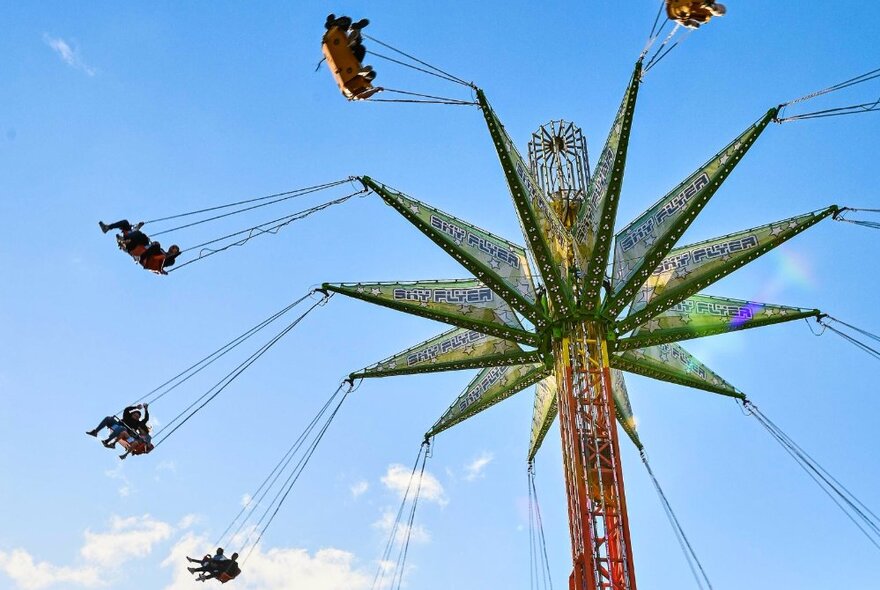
(576, 330)
(550, 314)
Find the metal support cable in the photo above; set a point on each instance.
(379, 577)
(401, 558)
(655, 32)
(693, 561)
(269, 227)
(662, 51)
(839, 86)
(854, 509)
(872, 351)
(863, 223)
(867, 107)
(199, 366)
(295, 474)
(536, 537)
(415, 59)
(533, 560)
(278, 196)
(218, 388)
(406, 65)
(431, 99)
(854, 328)
(256, 498)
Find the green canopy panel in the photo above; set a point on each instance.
(707, 315)
(455, 349)
(546, 236)
(489, 387)
(641, 245)
(594, 228)
(689, 269)
(466, 303)
(501, 264)
(544, 413)
(672, 363)
(623, 407)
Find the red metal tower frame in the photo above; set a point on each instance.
(600, 540)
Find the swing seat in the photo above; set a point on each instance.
(134, 252)
(230, 574)
(137, 447)
(346, 69)
(154, 263)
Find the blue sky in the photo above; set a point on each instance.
(145, 110)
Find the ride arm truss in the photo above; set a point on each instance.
(643, 244)
(594, 229)
(489, 387)
(672, 363)
(707, 315)
(500, 264)
(547, 238)
(690, 269)
(466, 303)
(453, 350)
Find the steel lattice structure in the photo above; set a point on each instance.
(561, 323)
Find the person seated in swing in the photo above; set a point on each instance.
(691, 13)
(218, 556)
(155, 259)
(147, 253)
(345, 23)
(130, 239)
(703, 13)
(137, 443)
(223, 571)
(344, 51)
(131, 423)
(216, 566)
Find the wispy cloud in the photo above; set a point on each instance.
(359, 488)
(69, 55)
(474, 469)
(418, 534)
(397, 479)
(125, 487)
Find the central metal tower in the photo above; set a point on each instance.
(600, 541)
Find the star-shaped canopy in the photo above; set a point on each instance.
(506, 318)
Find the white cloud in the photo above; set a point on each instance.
(279, 569)
(397, 478)
(29, 575)
(129, 537)
(102, 554)
(359, 488)
(474, 469)
(68, 54)
(246, 499)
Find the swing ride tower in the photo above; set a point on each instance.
(598, 526)
(548, 313)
